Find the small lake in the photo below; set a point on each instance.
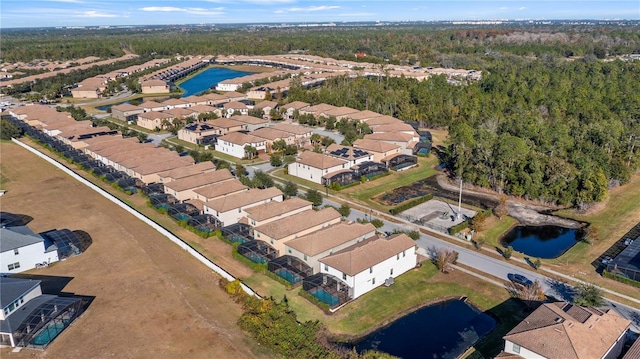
(541, 241)
(208, 78)
(444, 330)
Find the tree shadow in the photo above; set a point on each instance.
(565, 291)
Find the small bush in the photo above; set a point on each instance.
(377, 223)
(621, 279)
(537, 263)
(508, 252)
(478, 244)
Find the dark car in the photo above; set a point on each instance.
(520, 279)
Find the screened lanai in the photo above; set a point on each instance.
(67, 243)
(238, 232)
(205, 222)
(183, 211)
(257, 251)
(292, 269)
(328, 289)
(40, 320)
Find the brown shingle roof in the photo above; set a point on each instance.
(242, 199)
(234, 105)
(233, 94)
(187, 171)
(297, 223)
(263, 104)
(634, 351)
(126, 107)
(249, 119)
(323, 240)
(340, 111)
(374, 146)
(295, 129)
(382, 120)
(364, 115)
(152, 115)
(151, 104)
(179, 112)
(202, 108)
(318, 160)
(271, 133)
(296, 105)
(368, 253)
(199, 180)
(224, 123)
(221, 189)
(394, 127)
(274, 209)
(174, 102)
(155, 167)
(564, 331)
(240, 138)
(389, 136)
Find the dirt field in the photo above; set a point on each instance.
(151, 298)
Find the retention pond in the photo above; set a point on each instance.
(444, 330)
(542, 241)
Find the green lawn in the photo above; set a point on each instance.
(411, 290)
(497, 228)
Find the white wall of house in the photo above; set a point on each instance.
(312, 174)
(26, 258)
(375, 276)
(227, 86)
(237, 150)
(233, 216)
(513, 348)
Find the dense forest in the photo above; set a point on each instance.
(555, 116)
(430, 45)
(560, 131)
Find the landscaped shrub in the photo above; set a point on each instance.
(377, 223)
(508, 252)
(459, 227)
(414, 202)
(620, 278)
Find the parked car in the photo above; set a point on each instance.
(520, 279)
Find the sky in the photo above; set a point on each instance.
(27, 13)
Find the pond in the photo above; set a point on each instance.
(443, 330)
(541, 241)
(207, 79)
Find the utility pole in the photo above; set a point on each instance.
(459, 200)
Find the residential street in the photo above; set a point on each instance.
(495, 267)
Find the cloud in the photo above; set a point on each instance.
(187, 10)
(93, 13)
(504, 8)
(357, 14)
(267, 2)
(522, 8)
(313, 8)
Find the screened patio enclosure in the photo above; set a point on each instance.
(400, 161)
(341, 177)
(40, 321)
(162, 200)
(183, 211)
(205, 222)
(238, 232)
(369, 169)
(67, 243)
(290, 268)
(327, 289)
(257, 251)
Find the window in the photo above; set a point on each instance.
(13, 266)
(305, 257)
(370, 270)
(391, 271)
(404, 254)
(398, 256)
(373, 281)
(516, 348)
(344, 276)
(326, 267)
(16, 251)
(271, 240)
(289, 250)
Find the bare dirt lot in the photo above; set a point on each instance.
(151, 298)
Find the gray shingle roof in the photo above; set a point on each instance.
(17, 237)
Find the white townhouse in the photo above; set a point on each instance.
(311, 247)
(21, 249)
(369, 263)
(229, 209)
(233, 144)
(311, 166)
